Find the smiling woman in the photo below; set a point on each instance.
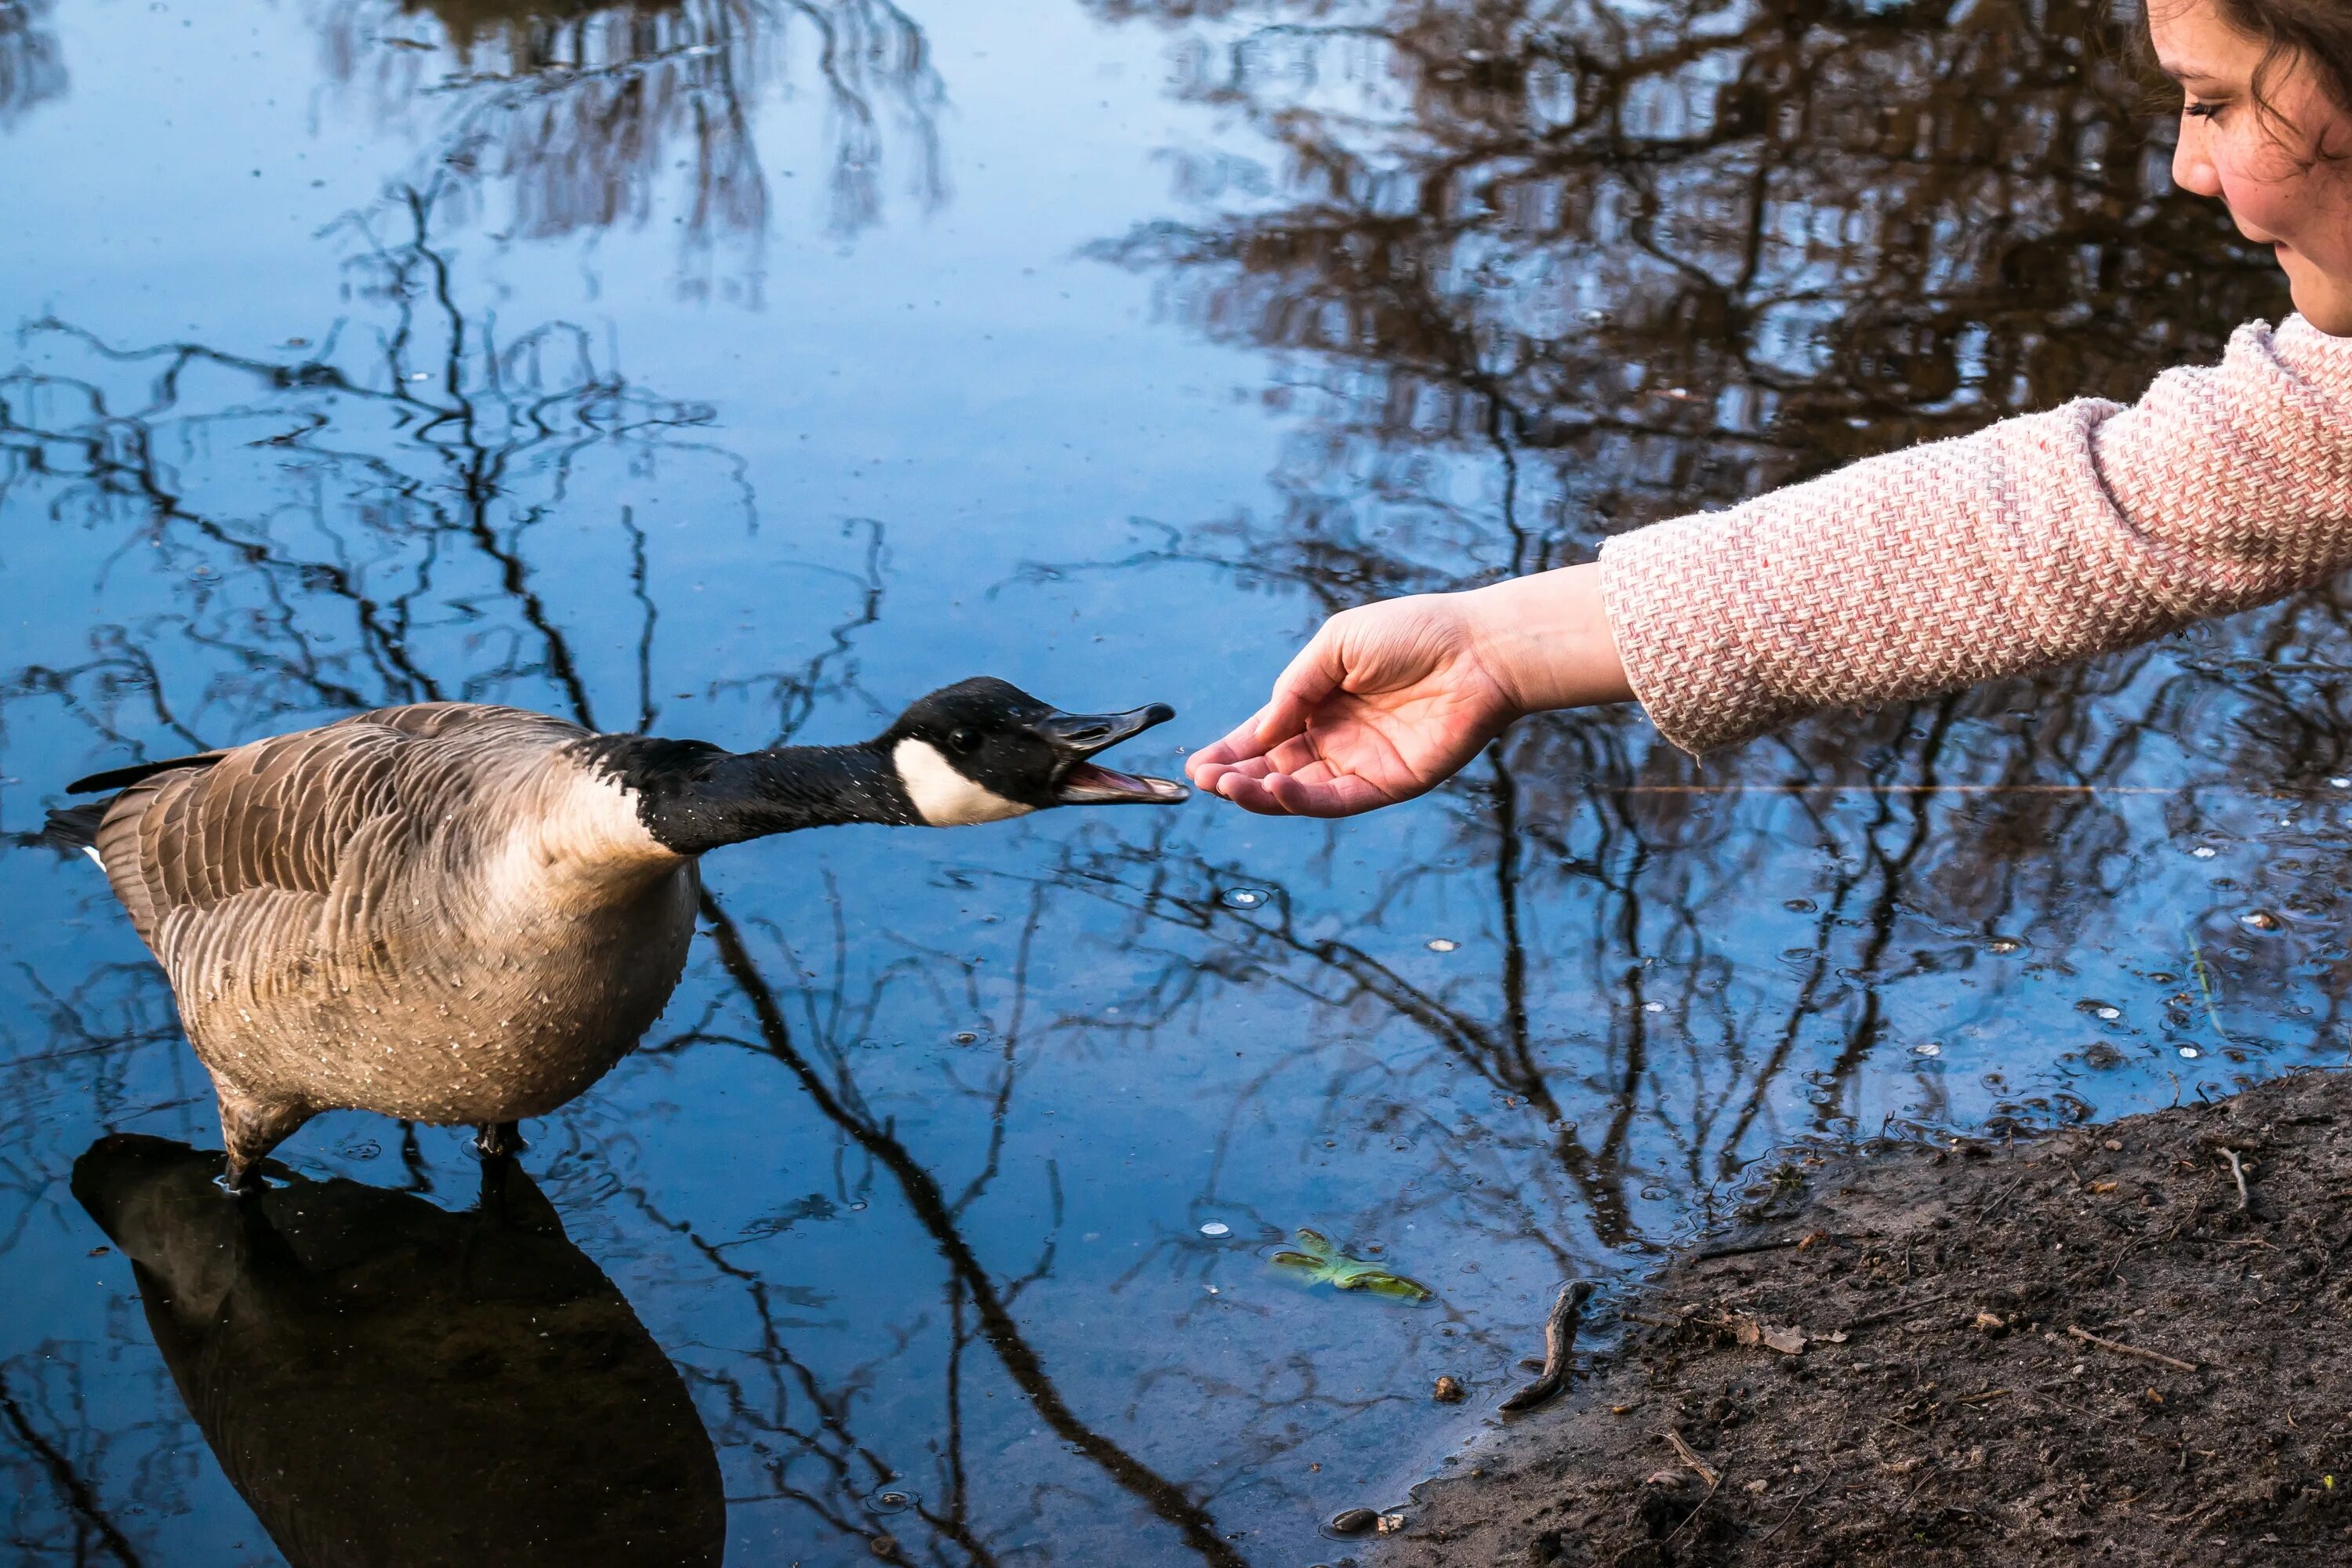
(2266, 127)
(2044, 539)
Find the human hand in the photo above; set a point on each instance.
(1388, 700)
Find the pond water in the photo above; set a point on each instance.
(740, 369)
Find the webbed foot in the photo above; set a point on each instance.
(496, 1140)
(241, 1181)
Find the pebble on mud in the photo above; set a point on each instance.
(1449, 1391)
(1353, 1522)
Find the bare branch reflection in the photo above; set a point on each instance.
(395, 512)
(584, 114)
(1532, 273)
(32, 67)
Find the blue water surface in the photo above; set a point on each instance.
(741, 370)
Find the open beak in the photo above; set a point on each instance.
(1078, 736)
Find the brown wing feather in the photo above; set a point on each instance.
(278, 816)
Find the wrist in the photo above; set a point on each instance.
(1547, 640)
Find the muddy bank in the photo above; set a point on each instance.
(2094, 1347)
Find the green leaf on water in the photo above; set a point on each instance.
(1317, 1262)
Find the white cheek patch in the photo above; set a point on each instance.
(944, 797)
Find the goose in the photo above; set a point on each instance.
(462, 914)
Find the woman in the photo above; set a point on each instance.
(2038, 540)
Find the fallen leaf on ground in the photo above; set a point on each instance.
(1748, 1331)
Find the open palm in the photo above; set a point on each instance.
(1386, 703)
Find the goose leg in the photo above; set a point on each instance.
(250, 1129)
(496, 1139)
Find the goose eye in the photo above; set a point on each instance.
(961, 741)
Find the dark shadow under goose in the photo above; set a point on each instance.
(463, 914)
(388, 1382)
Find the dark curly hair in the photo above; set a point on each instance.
(2291, 31)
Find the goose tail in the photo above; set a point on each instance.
(74, 828)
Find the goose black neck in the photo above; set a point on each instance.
(694, 797)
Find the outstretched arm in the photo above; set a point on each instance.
(1388, 700)
(2042, 539)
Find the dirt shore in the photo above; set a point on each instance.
(2093, 1347)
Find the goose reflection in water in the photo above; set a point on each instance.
(386, 1382)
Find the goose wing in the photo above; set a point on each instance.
(262, 835)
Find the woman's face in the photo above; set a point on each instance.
(2286, 174)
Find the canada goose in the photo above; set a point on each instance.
(386, 1382)
(456, 913)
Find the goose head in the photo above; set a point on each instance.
(984, 750)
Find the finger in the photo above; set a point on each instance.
(1312, 675)
(1347, 795)
(1250, 794)
(1239, 743)
(1248, 767)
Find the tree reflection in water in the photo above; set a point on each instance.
(379, 519)
(583, 111)
(1529, 277)
(32, 71)
(1535, 274)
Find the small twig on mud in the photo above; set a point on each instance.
(1711, 1476)
(2194, 1210)
(2237, 1173)
(1873, 1319)
(1712, 1253)
(1711, 1489)
(1792, 1511)
(1985, 1215)
(1560, 1345)
(2089, 1338)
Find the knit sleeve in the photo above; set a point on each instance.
(2042, 539)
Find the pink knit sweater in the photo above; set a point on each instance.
(2042, 539)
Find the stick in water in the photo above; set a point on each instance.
(1560, 1340)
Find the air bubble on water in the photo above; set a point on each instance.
(2109, 1013)
(2204, 852)
(1216, 1227)
(1799, 905)
(890, 1499)
(2339, 784)
(1442, 944)
(2191, 1052)
(2260, 919)
(1653, 1007)
(1242, 897)
(963, 1037)
(859, 1206)
(1926, 1048)
(2003, 944)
